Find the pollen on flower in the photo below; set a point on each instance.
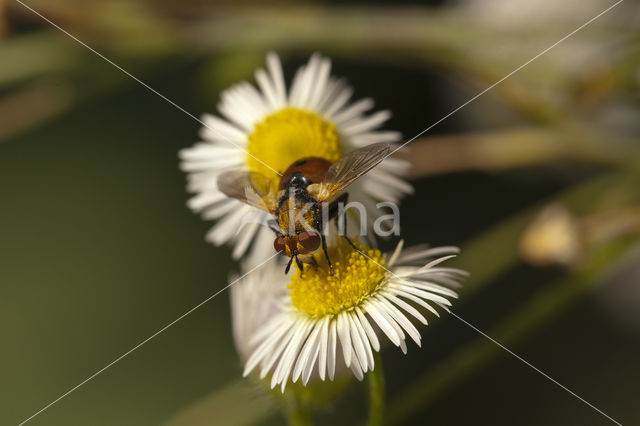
(289, 135)
(356, 278)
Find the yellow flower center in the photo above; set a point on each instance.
(289, 135)
(356, 278)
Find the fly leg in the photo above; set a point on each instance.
(314, 263)
(333, 214)
(326, 254)
(351, 242)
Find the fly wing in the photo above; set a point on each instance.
(250, 187)
(346, 170)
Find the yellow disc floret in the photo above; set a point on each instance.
(289, 135)
(356, 278)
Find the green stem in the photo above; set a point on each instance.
(298, 412)
(376, 392)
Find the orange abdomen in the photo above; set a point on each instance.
(313, 168)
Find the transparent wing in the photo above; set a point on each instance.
(249, 187)
(346, 170)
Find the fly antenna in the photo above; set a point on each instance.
(286, 271)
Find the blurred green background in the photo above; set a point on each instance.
(98, 250)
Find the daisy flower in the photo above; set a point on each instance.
(266, 129)
(327, 322)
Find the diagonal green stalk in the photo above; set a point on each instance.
(297, 410)
(376, 392)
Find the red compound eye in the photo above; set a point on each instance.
(309, 240)
(278, 244)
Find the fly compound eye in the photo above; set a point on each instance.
(309, 240)
(278, 244)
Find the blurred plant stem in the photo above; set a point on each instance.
(297, 408)
(376, 391)
(613, 224)
(228, 406)
(4, 27)
(515, 148)
(31, 105)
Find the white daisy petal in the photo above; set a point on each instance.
(322, 80)
(266, 348)
(435, 288)
(284, 367)
(373, 339)
(357, 369)
(308, 81)
(454, 272)
(413, 298)
(383, 311)
(308, 369)
(401, 320)
(364, 125)
(221, 127)
(424, 294)
(205, 199)
(396, 165)
(226, 228)
(338, 94)
(345, 337)
(262, 247)
(277, 79)
(333, 346)
(269, 90)
(305, 354)
(276, 347)
(428, 253)
(403, 347)
(407, 307)
(381, 177)
(237, 108)
(296, 86)
(353, 111)
(221, 208)
(324, 345)
(431, 265)
(368, 138)
(245, 236)
(268, 331)
(358, 343)
(396, 254)
(384, 325)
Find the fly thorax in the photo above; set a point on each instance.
(298, 181)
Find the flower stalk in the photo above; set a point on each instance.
(298, 411)
(376, 392)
